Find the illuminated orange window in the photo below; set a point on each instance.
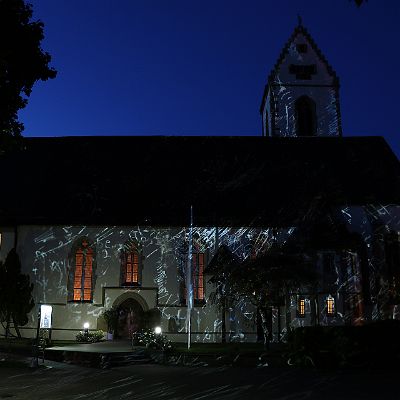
(330, 306)
(301, 308)
(131, 270)
(87, 288)
(78, 275)
(197, 277)
(83, 273)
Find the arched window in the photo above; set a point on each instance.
(392, 254)
(82, 258)
(306, 119)
(131, 264)
(197, 275)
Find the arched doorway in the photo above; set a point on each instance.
(130, 318)
(306, 119)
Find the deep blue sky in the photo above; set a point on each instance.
(186, 67)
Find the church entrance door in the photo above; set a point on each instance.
(130, 318)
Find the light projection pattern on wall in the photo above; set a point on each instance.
(162, 267)
(164, 257)
(365, 259)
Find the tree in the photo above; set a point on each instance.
(270, 277)
(111, 318)
(221, 265)
(16, 300)
(22, 64)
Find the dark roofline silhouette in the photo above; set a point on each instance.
(230, 181)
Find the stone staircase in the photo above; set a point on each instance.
(137, 356)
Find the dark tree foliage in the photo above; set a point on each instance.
(265, 280)
(15, 294)
(221, 265)
(111, 317)
(22, 64)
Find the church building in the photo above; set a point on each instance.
(101, 222)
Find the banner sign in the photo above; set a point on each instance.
(45, 316)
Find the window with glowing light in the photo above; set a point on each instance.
(330, 306)
(198, 276)
(301, 308)
(82, 258)
(131, 260)
(198, 264)
(131, 268)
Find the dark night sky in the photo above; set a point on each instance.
(175, 67)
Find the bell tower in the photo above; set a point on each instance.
(301, 97)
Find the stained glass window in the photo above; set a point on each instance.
(197, 277)
(83, 273)
(131, 267)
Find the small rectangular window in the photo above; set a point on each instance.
(303, 72)
(301, 48)
(132, 268)
(301, 308)
(330, 306)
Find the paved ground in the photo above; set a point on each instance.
(101, 347)
(63, 381)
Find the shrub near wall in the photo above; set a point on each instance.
(374, 345)
(90, 337)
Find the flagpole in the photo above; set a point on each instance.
(189, 284)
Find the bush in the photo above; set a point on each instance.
(315, 346)
(91, 337)
(111, 317)
(150, 339)
(375, 344)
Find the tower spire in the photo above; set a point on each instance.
(292, 105)
(299, 20)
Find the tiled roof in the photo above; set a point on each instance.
(152, 180)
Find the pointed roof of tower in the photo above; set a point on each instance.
(299, 29)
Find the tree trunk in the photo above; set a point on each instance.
(365, 281)
(264, 324)
(223, 319)
(16, 328)
(8, 318)
(313, 307)
(288, 314)
(279, 323)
